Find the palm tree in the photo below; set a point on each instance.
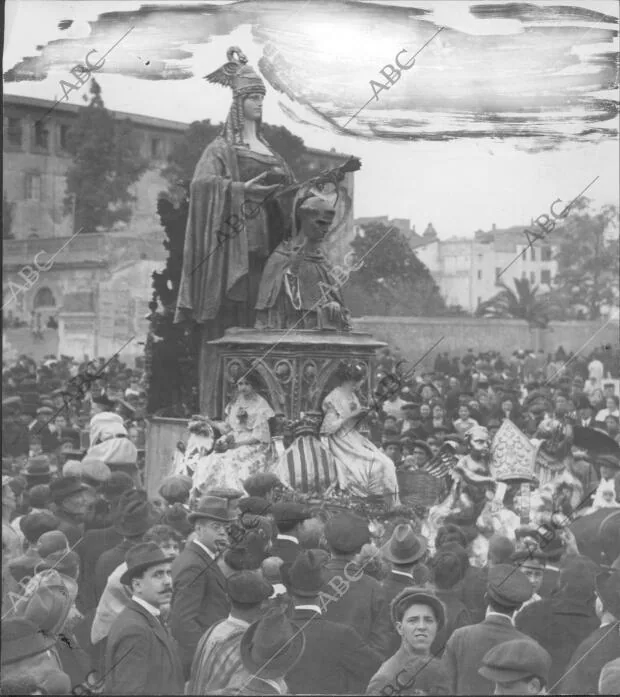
(524, 302)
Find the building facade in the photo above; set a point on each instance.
(468, 270)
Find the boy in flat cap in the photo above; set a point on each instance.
(507, 589)
(517, 667)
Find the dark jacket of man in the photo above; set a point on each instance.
(559, 625)
(108, 562)
(15, 438)
(199, 599)
(141, 657)
(287, 550)
(362, 605)
(457, 616)
(95, 543)
(581, 676)
(466, 649)
(335, 661)
(471, 591)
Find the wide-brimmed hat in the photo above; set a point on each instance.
(417, 596)
(21, 639)
(135, 517)
(272, 646)
(305, 576)
(141, 557)
(347, 532)
(608, 589)
(61, 489)
(212, 508)
(405, 547)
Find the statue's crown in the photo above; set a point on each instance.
(237, 74)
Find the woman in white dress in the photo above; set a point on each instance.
(362, 468)
(246, 437)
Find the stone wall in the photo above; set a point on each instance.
(415, 335)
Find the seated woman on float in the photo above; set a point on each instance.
(245, 437)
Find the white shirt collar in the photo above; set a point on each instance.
(206, 549)
(316, 608)
(403, 573)
(237, 621)
(490, 613)
(288, 537)
(147, 606)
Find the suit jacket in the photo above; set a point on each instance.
(141, 656)
(471, 591)
(559, 625)
(109, 561)
(466, 649)
(581, 676)
(95, 543)
(457, 616)
(199, 599)
(335, 660)
(362, 606)
(286, 550)
(549, 582)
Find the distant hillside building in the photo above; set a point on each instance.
(467, 269)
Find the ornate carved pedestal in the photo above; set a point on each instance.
(296, 366)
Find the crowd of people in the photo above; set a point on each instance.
(429, 574)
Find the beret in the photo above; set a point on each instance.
(515, 660)
(248, 587)
(422, 596)
(175, 487)
(96, 470)
(347, 532)
(508, 586)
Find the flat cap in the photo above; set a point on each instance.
(96, 470)
(516, 660)
(175, 487)
(72, 468)
(248, 587)
(347, 532)
(508, 586)
(417, 596)
(290, 512)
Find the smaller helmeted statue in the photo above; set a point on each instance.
(299, 288)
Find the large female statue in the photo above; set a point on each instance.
(246, 437)
(234, 220)
(363, 470)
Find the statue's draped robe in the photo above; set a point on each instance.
(296, 298)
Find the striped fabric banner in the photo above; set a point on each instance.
(307, 466)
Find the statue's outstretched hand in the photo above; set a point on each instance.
(252, 185)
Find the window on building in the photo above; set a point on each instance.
(532, 278)
(545, 277)
(33, 187)
(155, 147)
(479, 274)
(545, 253)
(41, 135)
(532, 253)
(14, 131)
(44, 298)
(64, 136)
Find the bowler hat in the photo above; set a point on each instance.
(608, 589)
(508, 586)
(38, 468)
(347, 532)
(21, 639)
(135, 517)
(61, 489)
(417, 596)
(405, 546)
(248, 587)
(140, 558)
(212, 508)
(304, 576)
(516, 660)
(272, 645)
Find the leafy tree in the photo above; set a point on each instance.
(524, 302)
(392, 280)
(8, 212)
(106, 162)
(588, 266)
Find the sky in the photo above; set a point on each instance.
(507, 108)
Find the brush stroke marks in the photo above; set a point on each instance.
(539, 73)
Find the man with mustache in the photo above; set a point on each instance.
(141, 656)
